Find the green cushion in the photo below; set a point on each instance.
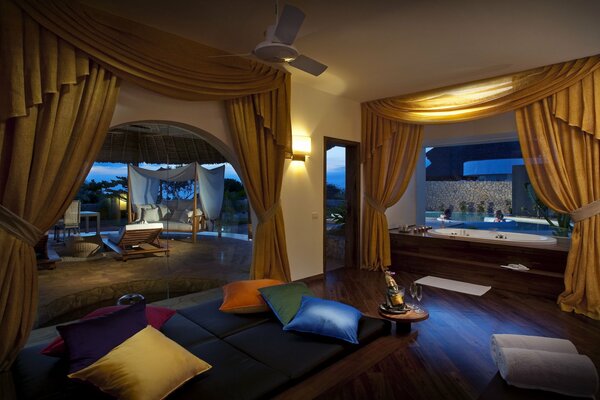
(285, 300)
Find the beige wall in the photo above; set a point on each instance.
(314, 114)
(486, 130)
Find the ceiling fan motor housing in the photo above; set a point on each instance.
(275, 52)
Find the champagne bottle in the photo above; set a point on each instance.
(394, 297)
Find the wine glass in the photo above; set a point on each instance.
(413, 290)
(413, 293)
(419, 295)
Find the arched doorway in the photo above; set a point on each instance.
(221, 254)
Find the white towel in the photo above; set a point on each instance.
(530, 343)
(565, 373)
(515, 267)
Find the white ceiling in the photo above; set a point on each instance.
(382, 48)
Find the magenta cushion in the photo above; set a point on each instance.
(157, 316)
(89, 340)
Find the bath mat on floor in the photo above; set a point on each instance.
(456, 286)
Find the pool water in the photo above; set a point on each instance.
(476, 221)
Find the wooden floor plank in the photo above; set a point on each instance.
(444, 357)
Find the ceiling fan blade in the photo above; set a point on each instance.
(289, 24)
(309, 65)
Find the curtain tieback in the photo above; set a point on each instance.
(18, 227)
(371, 201)
(268, 214)
(587, 211)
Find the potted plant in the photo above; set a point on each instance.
(562, 228)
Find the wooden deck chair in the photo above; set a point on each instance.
(130, 239)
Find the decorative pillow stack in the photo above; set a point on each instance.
(156, 316)
(298, 310)
(150, 214)
(243, 297)
(295, 306)
(139, 209)
(125, 357)
(164, 212)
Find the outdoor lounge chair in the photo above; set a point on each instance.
(128, 242)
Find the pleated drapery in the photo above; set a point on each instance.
(159, 61)
(56, 102)
(563, 163)
(186, 70)
(56, 107)
(558, 118)
(390, 153)
(262, 159)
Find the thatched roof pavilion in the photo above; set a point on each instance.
(156, 143)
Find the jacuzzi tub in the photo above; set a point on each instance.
(476, 235)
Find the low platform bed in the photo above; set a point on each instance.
(251, 357)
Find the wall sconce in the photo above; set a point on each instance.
(301, 147)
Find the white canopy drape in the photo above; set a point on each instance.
(211, 183)
(144, 185)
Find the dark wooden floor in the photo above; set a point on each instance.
(444, 357)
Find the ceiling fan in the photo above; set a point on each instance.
(279, 38)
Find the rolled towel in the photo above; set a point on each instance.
(569, 374)
(530, 343)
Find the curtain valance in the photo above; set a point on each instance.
(493, 96)
(157, 60)
(34, 70)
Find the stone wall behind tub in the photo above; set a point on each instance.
(452, 193)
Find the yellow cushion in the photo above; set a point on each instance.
(243, 297)
(146, 366)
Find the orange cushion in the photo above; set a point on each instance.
(243, 297)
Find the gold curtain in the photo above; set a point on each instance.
(558, 118)
(390, 153)
(487, 97)
(181, 68)
(456, 103)
(563, 163)
(60, 105)
(154, 59)
(262, 156)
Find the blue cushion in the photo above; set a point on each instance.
(327, 318)
(89, 340)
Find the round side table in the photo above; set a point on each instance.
(403, 321)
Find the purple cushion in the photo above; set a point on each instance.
(89, 340)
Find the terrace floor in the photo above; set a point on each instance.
(77, 286)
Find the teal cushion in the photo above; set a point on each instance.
(285, 299)
(326, 318)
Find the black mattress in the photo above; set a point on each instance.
(251, 355)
